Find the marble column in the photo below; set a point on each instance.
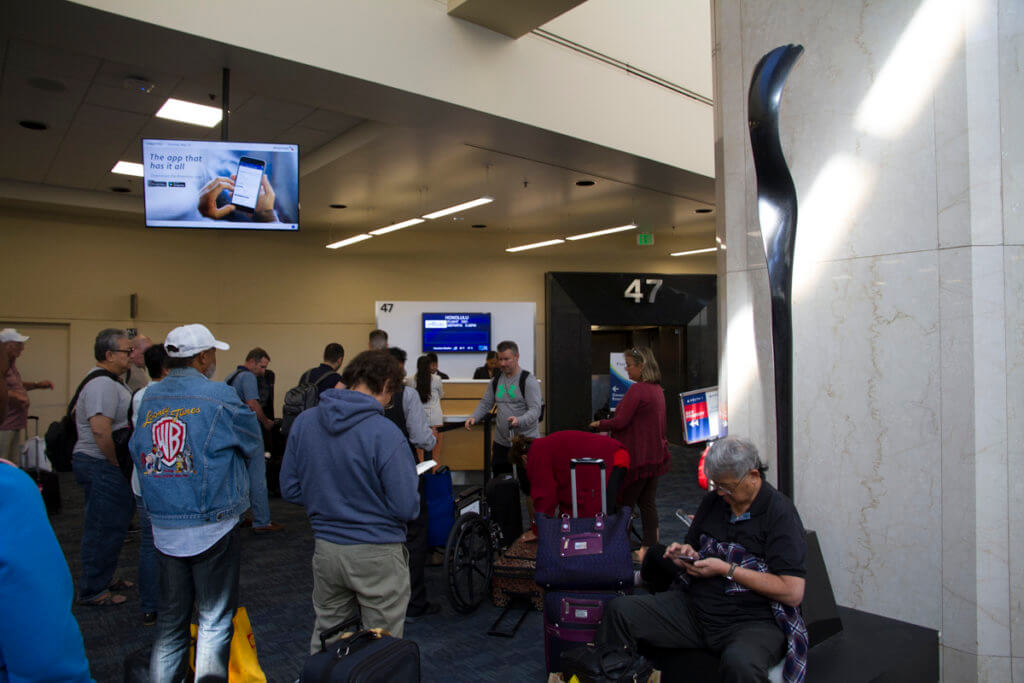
(902, 127)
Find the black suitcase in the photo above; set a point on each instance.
(362, 657)
(502, 495)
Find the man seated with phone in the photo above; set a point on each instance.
(737, 580)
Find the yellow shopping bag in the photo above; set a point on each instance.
(243, 665)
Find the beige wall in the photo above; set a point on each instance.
(284, 292)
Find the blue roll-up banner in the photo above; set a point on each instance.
(619, 382)
(701, 420)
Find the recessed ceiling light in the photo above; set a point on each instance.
(128, 168)
(479, 225)
(695, 251)
(584, 183)
(535, 245)
(33, 125)
(120, 189)
(47, 84)
(702, 211)
(396, 226)
(459, 207)
(190, 112)
(346, 242)
(339, 206)
(598, 233)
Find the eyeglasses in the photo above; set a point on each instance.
(130, 349)
(729, 490)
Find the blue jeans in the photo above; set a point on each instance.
(108, 512)
(149, 573)
(210, 581)
(258, 496)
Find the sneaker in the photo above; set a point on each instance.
(149, 619)
(427, 610)
(270, 528)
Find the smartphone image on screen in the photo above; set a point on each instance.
(247, 184)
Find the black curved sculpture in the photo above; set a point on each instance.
(776, 208)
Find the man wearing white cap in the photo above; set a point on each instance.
(11, 345)
(193, 441)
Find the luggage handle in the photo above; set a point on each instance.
(572, 479)
(32, 418)
(335, 630)
(372, 635)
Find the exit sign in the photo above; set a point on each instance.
(645, 239)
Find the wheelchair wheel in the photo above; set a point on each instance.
(467, 562)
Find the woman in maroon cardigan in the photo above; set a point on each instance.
(639, 423)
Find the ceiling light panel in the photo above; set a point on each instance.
(190, 112)
(459, 207)
(598, 233)
(396, 226)
(535, 245)
(350, 240)
(695, 251)
(127, 168)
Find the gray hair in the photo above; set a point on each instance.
(731, 456)
(106, 340)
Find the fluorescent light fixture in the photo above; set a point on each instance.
(346, 242)
(189, 112)
(127, 168)
(631, 226)
(535, 245)
(459, 207)
(695, 251)
(396, 226)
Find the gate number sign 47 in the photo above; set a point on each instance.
(635, 291)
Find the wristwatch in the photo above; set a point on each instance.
(732, 570)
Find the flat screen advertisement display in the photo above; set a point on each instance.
(221, 185)
(456, 332)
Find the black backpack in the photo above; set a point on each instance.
(298, 399)
(62, 435)
(523, 374)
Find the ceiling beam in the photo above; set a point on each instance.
(513, 19)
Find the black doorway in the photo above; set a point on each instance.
(589, 315)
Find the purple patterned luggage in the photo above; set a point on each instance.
(571, 619)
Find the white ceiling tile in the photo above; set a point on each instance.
(274, 110)
(330, 121)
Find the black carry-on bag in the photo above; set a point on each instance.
(362, 656)
(37, 465)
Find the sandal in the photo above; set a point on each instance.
(105, 599)
(121, 585)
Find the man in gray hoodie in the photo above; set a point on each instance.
(349, 466)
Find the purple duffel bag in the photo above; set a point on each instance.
(589, 553)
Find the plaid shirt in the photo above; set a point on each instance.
(789, 619)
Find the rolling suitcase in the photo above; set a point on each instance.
(502, 495)
(571, 619)
(362, 657)
(37, 465)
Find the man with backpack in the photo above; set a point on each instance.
(312, 383)
(517, 395)
(243, 381)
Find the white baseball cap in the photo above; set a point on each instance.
(9, 334)
(188, 340)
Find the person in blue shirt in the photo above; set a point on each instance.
(351, 468)
(244, 381)
(39, 637)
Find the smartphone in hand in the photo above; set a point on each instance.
(248, 178)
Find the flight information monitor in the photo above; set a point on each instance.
(456, 332)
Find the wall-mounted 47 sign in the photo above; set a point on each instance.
(635, 291)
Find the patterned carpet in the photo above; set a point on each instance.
(276, 582)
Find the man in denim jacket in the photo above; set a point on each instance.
(192, 443)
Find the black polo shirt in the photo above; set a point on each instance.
(323, 376)
(770, 529)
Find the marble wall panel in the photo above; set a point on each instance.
(1014, 276)
(991, 474)
(959, 519)
(983, 92)
(1011, 102)
(867, 442)
(952, 181)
